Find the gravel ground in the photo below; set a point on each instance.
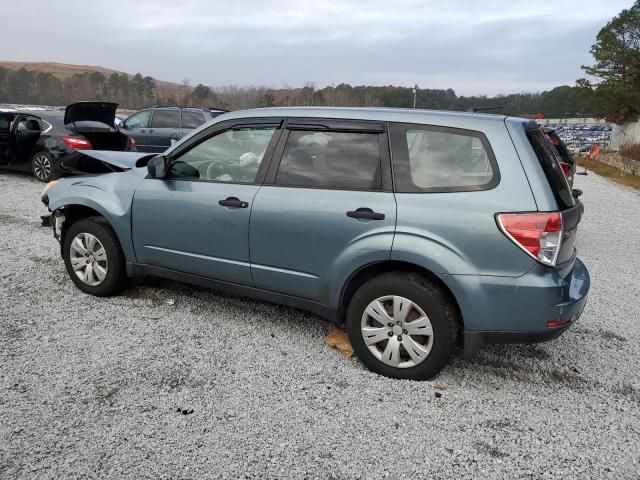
(220, 387)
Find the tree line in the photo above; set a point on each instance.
(138, 91)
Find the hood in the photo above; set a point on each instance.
(102, 161)
(103, 112)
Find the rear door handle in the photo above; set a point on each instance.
(233, 202)
(365, 213)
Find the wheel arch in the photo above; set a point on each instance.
(367, 272)
(74, 212)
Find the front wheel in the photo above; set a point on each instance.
(402, 325)
(43, 167)
(93, 258)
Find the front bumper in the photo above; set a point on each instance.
(543, 296)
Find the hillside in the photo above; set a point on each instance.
(50, 83)
(66, 70)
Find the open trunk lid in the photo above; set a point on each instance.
(90, 113)
(569, 207)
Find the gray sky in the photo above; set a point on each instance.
(472, 46)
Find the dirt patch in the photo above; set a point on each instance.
(609, 335)
(484, 447)
(52, 262)
(11, 220)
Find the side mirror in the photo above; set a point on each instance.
(157, 167)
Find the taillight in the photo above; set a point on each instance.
(131, 143)
(538, 234)
(566, 169)
(77, 142)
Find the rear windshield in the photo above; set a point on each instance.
(557, 181)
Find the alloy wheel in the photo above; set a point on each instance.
(42, 166)
(397, 331)
(89, 259)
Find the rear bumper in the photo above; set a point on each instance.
(544, 297)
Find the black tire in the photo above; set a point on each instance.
(43, 166)
(422, 292)
(116, 278)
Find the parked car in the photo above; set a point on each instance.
(156, 129)
(566, 160)
(416, 229)
(36, 140)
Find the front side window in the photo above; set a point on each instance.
(5, 121)
(166, 118)
(230, 156)
(191, 119)
(343, 160)
(138, 120)
(438, 159)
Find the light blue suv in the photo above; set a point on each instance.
(420, 230)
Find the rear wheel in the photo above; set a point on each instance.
(401, 325)
(42, 166)
(93, 258)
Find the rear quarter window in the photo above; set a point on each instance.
(552, 170)
(441, 159)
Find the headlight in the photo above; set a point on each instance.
(44, 197)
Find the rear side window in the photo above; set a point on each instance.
(551, 167)
(439, 159)
(166, 119)
(191, 119)
(327, 159)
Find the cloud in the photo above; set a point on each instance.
(483, 46)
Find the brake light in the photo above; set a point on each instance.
(566, 169)
(131, 143)
(79, 143)
(558, 323)
(538, 234)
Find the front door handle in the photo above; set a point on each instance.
(365, 213)
(233, 202)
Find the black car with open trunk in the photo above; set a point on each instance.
(36, 140)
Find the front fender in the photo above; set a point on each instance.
(110, 195)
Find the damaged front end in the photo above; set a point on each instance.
(86, 169)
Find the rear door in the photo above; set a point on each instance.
(27, 133)
(137, 126)
(165, 129)
(327, 208)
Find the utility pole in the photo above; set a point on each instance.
(415, 94)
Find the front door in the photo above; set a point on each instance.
(197, 220)
(6, 139)
(137, 126)
(329, 208)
